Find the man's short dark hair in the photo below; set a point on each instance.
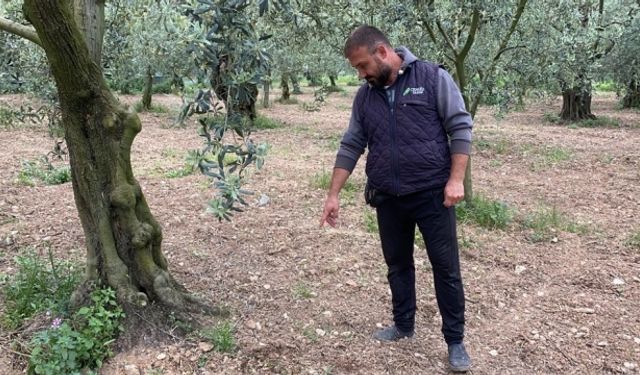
(365, 36)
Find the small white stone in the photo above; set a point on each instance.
(630, 365)
(320, 332)
(327, 313)
(131, 370)
(161, 356)
(205, 346)
(520, 269)
(636, 340)
(493, 353)
(267, 286)
(618, 281)
(603, 343)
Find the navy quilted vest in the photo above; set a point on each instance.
(408, 146)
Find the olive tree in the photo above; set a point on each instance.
(623, 64)
(471, 37)
(123, 239)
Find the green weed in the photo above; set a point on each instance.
(599, 122)
(485, 212)
(634, 240)
(370, 220)
(222, 337)
(302, 291)
(546, 222)
(262, 122)
(44, 171)
(155, 108)
(81, 342)
(38, 285)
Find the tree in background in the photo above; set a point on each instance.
(581, 33)
(23, 66)
(471, 37)
(623, 63)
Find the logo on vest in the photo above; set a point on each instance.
(413, 91)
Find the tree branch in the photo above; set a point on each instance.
(475, 21)
(503, 46)
(20, 30)
(447, 39)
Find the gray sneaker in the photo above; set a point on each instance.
(458, 358)
(391, 334)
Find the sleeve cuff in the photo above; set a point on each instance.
(460, 147)
(345, 163)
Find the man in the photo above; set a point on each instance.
(412, 118)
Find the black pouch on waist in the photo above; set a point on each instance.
(374, 197)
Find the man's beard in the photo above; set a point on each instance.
(380, 80)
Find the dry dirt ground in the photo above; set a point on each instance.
(306, 300)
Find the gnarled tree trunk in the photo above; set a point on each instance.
(576, 105)
(632, 97)
(284, 84)
(123, 239)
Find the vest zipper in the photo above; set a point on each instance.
(395, 163)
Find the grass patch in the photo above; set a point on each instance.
(184, 171)
(39, 285)
(634, 240)
(370, 220)
(289, 101)
(545, 223)
(485, 212)
(332, 142)
(262, 122)
(544, 156)
(222, 337)
(7, 118)
(499, 147)
(322, 181)
(155, 108)
(42, 170)
(598, 122)
(302, 291)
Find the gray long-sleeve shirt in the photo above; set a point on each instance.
(455, 119)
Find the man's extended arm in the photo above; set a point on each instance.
(352, 147)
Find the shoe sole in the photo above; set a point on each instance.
(460, 369)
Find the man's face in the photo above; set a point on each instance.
(370, 66)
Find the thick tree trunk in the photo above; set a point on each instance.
(332, 79)
(123, 239)
(284, 84)
(632, 97)
(576, 105)
(148, 86)
(295, 83)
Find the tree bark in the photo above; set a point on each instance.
(123, 239)
(295, 83)
(576, 105)
(266, 88)
(148, 86)
(89, 14)
(284, 84)
(632, 97)
(332, 79)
